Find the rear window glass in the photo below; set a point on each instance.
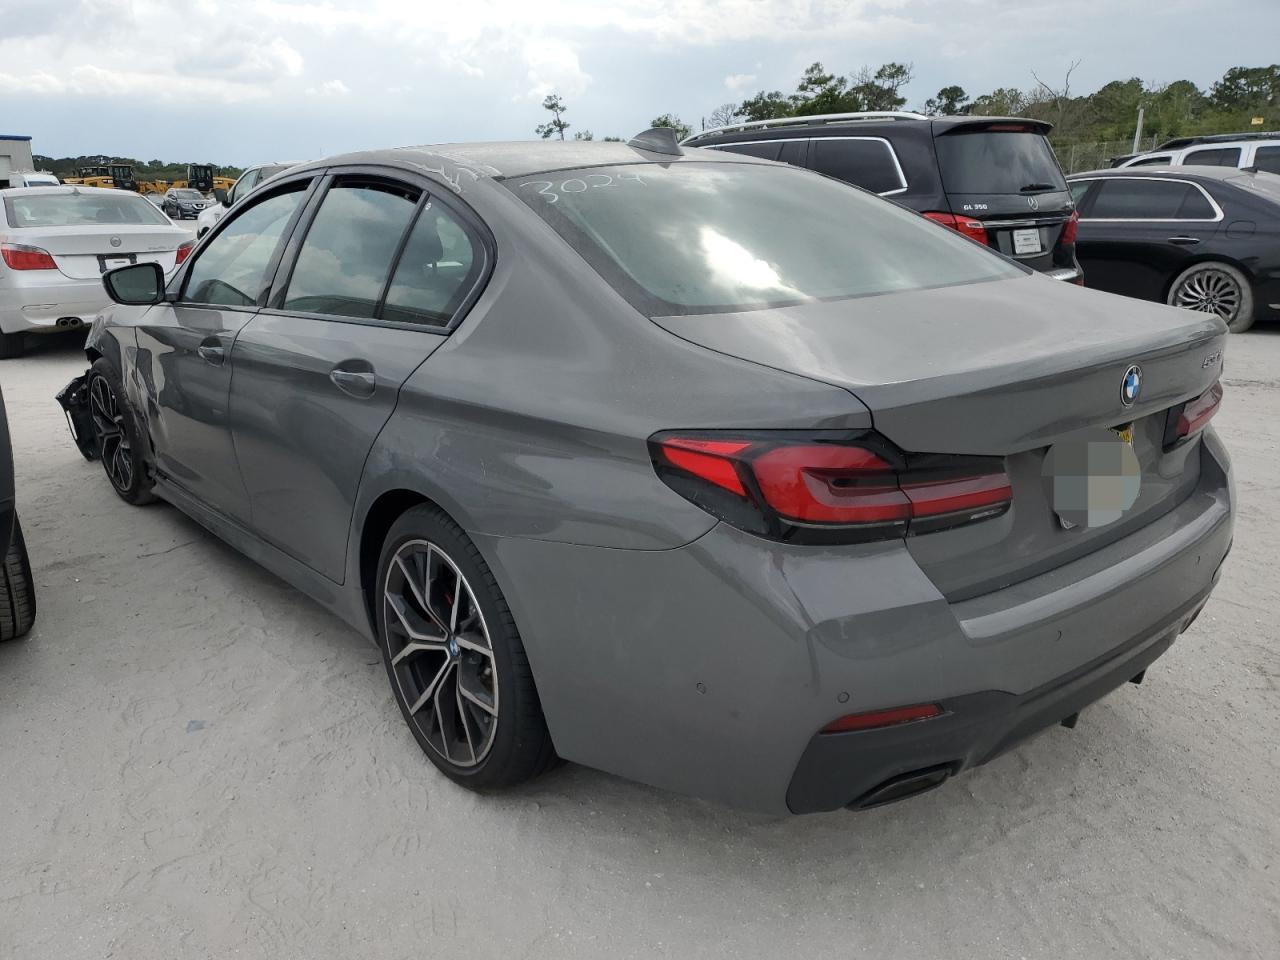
(690, 237)
(864, 162)
(80, 209)
(1219, 157)
(1124, 199)
(997, 162)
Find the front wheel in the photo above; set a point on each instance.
(1214, 287)
(120, 438)
(17, 589)
(457, 667)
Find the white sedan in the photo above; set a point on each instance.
(55, 244)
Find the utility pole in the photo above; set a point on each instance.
(1137, 134)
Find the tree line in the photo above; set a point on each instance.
(1180, 108)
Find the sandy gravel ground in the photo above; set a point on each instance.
(198, 762)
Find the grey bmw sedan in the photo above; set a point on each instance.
(703, 470)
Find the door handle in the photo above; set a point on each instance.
(357, 383)
(211, 351)
(1184, 241)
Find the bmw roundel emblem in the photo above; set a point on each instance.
(115, 241)
(1131, 385)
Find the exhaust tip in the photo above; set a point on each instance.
(903, 786)
(70, 322)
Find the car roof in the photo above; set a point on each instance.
(1181, 143)
(63, 189)
(1189, 172)
(853, 122)
(518, 158)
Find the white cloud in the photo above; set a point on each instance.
(330, 88)
(737, 81)
(554, 68)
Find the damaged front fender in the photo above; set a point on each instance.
(74, 400)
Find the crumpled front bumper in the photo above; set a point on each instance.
(74, 400)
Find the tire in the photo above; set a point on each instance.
(495, 736)
(1215, 287)
(12, 345)
(17, 589)
(121, 441)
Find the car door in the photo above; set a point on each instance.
(1136, 233)
(373, 287)
(183, 348)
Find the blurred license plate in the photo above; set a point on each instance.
(110, 263)
(1026, 241)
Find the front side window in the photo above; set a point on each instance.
(1125, 199)
(243, 185)
(865, 163)
(81, 209)
(1217, 157)
(439, 266)
(697, 237)
(231, 270)
(346, 257)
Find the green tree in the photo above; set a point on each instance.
(584, 135)
(556, 125)
(880, 90)
(950, 101)
(766, 106)
(724, 115)
(1248, 88)
(821, 92)
(681, 128)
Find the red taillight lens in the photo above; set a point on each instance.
(184, 251)
(883, 718)
(19, 256)
(845, 490)
(971, 228)
(1198, 412)
(1072, 227)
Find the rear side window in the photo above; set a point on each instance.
(1124, 199)
(1267, 159)
(346, 257)
(231, 270)
(865, 162)
(989, 162)
(769, 150)
(439, 266)
(1217, 157)
(81, 209)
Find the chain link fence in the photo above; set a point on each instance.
(1096, 155)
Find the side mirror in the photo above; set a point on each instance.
(221, 196)
(139, 284)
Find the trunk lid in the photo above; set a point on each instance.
(999, 368)
(84, 252)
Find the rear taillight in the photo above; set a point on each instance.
(184, 251)
(971, 228)
(1191, 417)
(19, 256)
(829, 489)
(1069, 231)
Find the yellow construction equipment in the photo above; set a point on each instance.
(117, 175)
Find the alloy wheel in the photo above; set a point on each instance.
(1210, 291)
(117, 455)
(440, 653)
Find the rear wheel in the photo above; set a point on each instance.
(120, 439)
(17, 589)
(12, 345)
(457, 667)
(1219, 288)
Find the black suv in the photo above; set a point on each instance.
(995, 179)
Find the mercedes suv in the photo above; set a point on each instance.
(994, 179)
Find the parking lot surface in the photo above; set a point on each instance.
(199, 762)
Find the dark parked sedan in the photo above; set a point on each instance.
(1204, 238)
(697, 468)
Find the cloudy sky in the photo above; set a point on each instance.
(235, 81)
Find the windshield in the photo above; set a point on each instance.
(693, 237)
(80, 209)
(188, 194)
(998, 162)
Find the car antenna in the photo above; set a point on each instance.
(657, 140)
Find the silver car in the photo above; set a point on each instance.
(704, 470)
(55, 244)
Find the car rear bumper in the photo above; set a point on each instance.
(37, 307)
(710, 669)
